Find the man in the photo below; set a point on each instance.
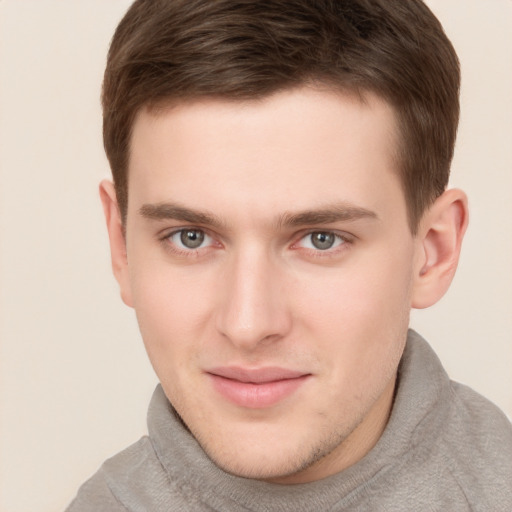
(279, 205)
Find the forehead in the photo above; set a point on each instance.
(292, 150)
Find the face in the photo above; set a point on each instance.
(270, 263)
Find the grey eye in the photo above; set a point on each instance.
(322, 240)
(192, 238)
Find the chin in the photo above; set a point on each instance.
(259, 469)
(284, 461)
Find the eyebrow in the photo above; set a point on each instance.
(335, 213)
(163, 211)
(326, 215)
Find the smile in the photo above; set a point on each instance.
(256, 389)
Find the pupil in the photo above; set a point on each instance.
(192, 238)
(322, 241)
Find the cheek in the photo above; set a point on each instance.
(359, 329)
(359, 314)
(352, 298)
(172, 308)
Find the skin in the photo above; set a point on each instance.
(257, 179)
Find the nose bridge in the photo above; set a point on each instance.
(253, 309)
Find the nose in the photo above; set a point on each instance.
(253, 308)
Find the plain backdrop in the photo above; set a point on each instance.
(74, 378)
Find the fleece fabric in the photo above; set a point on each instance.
(445, 448)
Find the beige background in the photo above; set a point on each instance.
(74, 379)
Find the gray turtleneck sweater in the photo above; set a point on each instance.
(445, 448)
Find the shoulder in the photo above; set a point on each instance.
(478, 427)
(134, 475)
(136, 479)
(459, 444)
(477, 446)
(95, 495)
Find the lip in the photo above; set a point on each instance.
(256, 388)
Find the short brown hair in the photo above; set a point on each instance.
(246, 49)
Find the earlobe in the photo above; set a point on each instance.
(117, 239)
(439, 242)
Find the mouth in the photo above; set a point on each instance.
(256, 388)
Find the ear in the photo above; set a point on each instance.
(117, 239)
(439, 241)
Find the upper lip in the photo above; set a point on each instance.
(256, 375)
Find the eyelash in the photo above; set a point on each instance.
(345, 239)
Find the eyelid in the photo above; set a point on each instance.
(170, 231)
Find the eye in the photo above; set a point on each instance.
(321, 240)
(190, 239)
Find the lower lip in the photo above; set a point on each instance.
(256, 396)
